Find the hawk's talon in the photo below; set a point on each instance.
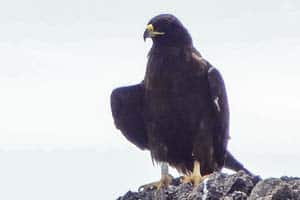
(195, 177)
(164, 182)
(194, 180)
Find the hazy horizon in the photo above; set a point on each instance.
(60, 60)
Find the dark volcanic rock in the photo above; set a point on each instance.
(286, 188)
(238, 186)
(217, 186)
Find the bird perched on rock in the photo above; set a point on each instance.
(179, 112)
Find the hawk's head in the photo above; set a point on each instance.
(167, 30)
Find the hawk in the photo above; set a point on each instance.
(180, 111)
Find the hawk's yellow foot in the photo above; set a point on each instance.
(195, 177)
(165, 180)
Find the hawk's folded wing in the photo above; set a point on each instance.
(127, 110)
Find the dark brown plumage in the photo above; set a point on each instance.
(180, 111)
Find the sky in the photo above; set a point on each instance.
(60, 60)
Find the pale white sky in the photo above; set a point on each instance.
(61, 59)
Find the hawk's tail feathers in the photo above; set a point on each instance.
(232, 163)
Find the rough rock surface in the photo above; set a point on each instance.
(238, 186)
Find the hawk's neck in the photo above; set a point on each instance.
(170, 50)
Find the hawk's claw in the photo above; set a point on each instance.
(164, 182)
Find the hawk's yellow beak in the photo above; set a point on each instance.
(150, 32)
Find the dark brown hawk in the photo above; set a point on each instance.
(180, 110)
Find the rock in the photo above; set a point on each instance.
(287, 188)
(238, 186)
(217, 186)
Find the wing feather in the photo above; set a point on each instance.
(219, 98)
(127, 110)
